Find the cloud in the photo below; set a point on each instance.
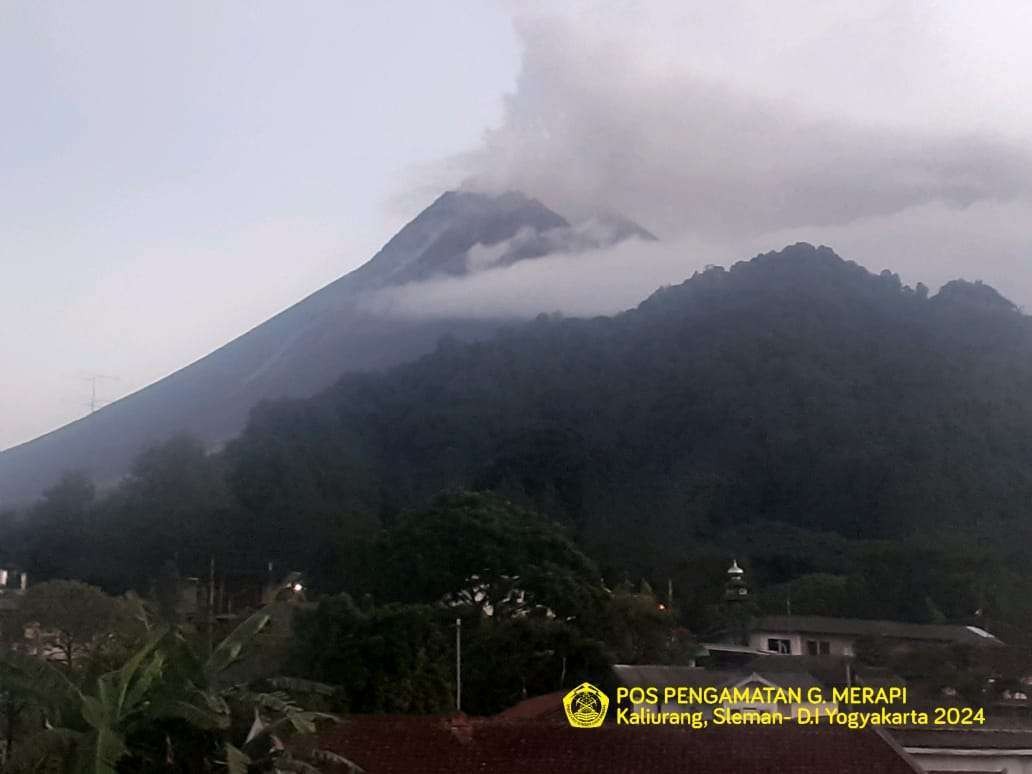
(931, 243)
(749, 127)
(591, 126)
(579, 283)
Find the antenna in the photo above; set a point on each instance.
(94, 403)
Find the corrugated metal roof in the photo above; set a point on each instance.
(965, 739)
(858, 627)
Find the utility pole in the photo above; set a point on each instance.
(458, 665)
(211, 603)
(221, 606)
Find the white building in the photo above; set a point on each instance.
(811, 635)
(1001, 751)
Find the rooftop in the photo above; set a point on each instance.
(664, 675)
(546, 707)
(401, 745)
(857, 627)
(965, 739)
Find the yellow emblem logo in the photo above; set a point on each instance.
(586, 706)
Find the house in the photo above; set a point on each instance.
(13, 583)
(12, 580)
(968, 750)
(461, 745)
(725, 655)
(232, 592)
(812, 635)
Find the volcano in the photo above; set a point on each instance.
(310, 345)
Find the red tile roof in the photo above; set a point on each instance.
(546, 707)
(434, 745)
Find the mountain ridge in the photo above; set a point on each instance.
(823, 420)
(796, 388)
(296, 352)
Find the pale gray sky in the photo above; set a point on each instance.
(177, 173)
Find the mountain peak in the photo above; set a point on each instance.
(438, 240)
(802, 270)
(467, 231)
(306, 347)
(976, 294)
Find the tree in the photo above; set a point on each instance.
(508, 660)
(390, 658)
(172, 506)
(479, 549)
(639, 629)
(400, 658)
(56, 527)
(70, 621)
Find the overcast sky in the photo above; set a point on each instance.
(175, 174)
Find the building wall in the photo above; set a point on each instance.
(837, 645)
(1006, 761)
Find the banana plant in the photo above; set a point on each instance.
(90, 731)
(84, 731)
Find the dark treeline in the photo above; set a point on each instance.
(865, 448)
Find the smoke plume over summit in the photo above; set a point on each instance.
(884, 131)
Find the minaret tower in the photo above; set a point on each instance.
(736, 590)
(737, 607)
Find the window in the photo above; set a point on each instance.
(818, 647)
(783, 647)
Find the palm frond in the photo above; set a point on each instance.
(284, 728)
(114, 687)
(237, 762)
(297, 685)
(145, 680)
(184, 664)
(101, 752)
(229, 650)
(198, 708)
(327, 756)
(274, 702)
(97, 712)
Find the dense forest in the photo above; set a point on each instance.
(865, 447)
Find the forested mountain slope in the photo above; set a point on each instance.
(308, 346)
(862, 448)
(796, 388)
